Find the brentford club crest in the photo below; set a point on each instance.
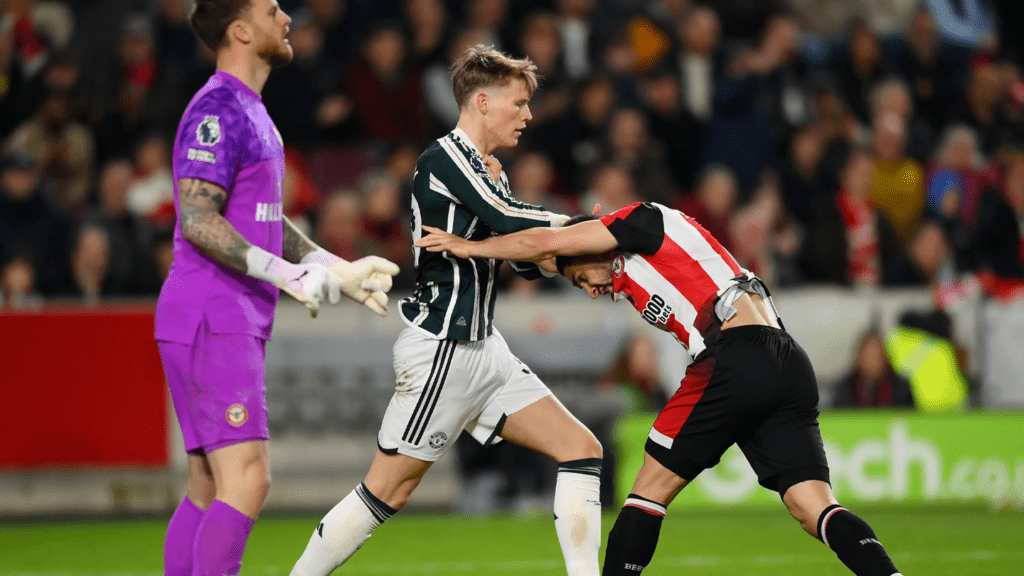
(617, 264)
(236, 415)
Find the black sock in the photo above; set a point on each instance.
(634, 537)
(854, 542)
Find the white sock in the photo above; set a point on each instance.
(578, 515)
(342, 531)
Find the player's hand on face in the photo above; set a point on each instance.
(311, 284)
(493, 167)
(366, 281)
(440, 241)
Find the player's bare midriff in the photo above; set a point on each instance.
(750, 311)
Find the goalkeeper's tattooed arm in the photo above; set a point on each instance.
(296, 244)
(202, 224)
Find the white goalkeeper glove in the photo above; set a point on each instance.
(366, 280)
(310, 283)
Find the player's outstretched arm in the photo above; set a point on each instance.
(202, 224)
(366, 280)
(534, 245)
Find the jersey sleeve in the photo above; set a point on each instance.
(211, 140)
(639, 228)
(474, 188)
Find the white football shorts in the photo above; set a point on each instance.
(446, 386)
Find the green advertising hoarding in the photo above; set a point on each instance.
(874, 457)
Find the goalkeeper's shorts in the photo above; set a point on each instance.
(218, 386)
(446, 386)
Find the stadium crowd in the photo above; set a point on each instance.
(862, 144)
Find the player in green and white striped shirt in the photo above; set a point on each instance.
(453, 369)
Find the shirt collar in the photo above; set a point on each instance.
(230, 78)
(463, 139)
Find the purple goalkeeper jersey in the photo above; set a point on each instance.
(225, 137)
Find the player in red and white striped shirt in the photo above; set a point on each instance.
(750, 383)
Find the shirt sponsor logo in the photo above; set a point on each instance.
(266, 212)
(208, 132)
(657, 310)
(202, 155)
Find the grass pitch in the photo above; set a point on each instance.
(932, 542)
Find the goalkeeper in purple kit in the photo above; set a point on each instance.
(233, 251)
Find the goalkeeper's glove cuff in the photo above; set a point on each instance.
(321, 256)
(263, 265)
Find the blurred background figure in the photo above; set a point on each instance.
(921, 350)
(872, 382)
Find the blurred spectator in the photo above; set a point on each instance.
(28, 41)
(893, 97)
(428, 28)
(338, 227)
(489, 16)
(541, 43)
(765, 240)
(299, 196)
(341, 24)
(437, 81)
(872, 382)
(176, 46)
(1000, 223)
(863, 67)
(983, 107)
(932, 70)
(803, 184)
(385, 92)
(698, 60)
(532, 180)
(576, 141)
(921, 350)
(385, 230)
(305, 98)
(18, 283)
(929, 260)
(897, 187)
(848, 241)
(578, 37)
(636, 373)
(630, 146)
(31, 225)
(130, 237)
(63, 148)
(612, 187)
(673, 126)
(90, 266)
(151, 193)
(959, 168)
(785, 78)
(713, 203)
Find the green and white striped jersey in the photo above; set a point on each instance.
(453, 191)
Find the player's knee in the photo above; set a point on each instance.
(807, 519)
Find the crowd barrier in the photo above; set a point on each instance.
(88, 426)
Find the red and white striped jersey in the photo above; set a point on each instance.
(672, 270)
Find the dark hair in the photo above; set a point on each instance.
(481, 66)
(562, 261)
(210, 19)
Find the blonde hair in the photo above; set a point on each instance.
(481, 66)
